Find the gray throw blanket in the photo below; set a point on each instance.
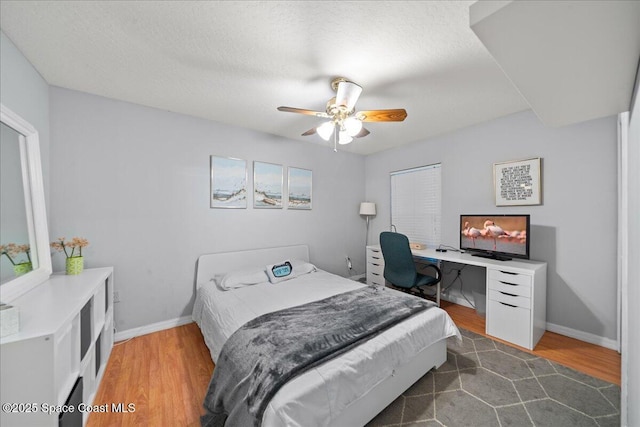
(271, 349)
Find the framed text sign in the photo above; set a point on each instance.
(517, 182)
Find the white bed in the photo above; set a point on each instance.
(348, 390)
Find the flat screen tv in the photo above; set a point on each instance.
(501, 237)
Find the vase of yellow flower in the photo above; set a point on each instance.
(22, 268)
(12, 251)
(75, 261)
(74, 265)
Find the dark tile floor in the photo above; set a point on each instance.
(486, 383)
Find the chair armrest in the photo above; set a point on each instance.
(438, 275)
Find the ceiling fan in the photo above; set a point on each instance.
(343, 122)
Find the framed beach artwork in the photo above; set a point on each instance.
(300, 188)
(517, 183)
(228, 183)
(267, 185)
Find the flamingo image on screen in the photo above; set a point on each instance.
(506, 235)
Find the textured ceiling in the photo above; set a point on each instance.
(235, 62)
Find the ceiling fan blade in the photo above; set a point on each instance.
(396, 115)
(362, 133)
(347, 94)
(309, 132)
(303, 111)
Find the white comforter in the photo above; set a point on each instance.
(322, 393)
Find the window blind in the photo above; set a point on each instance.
(416, 204)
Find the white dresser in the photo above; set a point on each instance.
(57, 359)
(516, 292)
(375, 266)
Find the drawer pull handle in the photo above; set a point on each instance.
(511, 295)
(509, 272)
(507, 283)
(509, 305)
(375, 274)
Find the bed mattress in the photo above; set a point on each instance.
(322, 393)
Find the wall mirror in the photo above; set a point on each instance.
(23, 218)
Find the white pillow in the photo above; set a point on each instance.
(302, 267)
(241, 278)
(288, 269)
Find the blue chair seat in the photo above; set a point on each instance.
(424, 280)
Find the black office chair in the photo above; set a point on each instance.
(400, 269)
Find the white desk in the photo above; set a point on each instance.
(516, 292)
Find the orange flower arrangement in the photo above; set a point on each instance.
(11, 250)
(69, 248)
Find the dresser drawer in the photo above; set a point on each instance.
(509, 288)
(375, 279)
(509, 323)
(509, 277)
(374, 255)
(375, 266)
(511, 299)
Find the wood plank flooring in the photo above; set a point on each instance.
(166, 374)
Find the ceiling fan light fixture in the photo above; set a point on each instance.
(344, 138)
(352, 126)
(325, 130)
(344, 123)
(347, 94)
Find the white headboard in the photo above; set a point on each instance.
(211, 264)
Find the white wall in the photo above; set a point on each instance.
(574, 230)
(135, 182)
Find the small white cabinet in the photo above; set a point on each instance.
(516, 304)
(375, 266)
(61, 351)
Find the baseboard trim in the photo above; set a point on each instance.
(154, 327)
(583, 336)
(456, 299)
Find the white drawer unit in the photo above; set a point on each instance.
(516, 305)
(375, 266)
